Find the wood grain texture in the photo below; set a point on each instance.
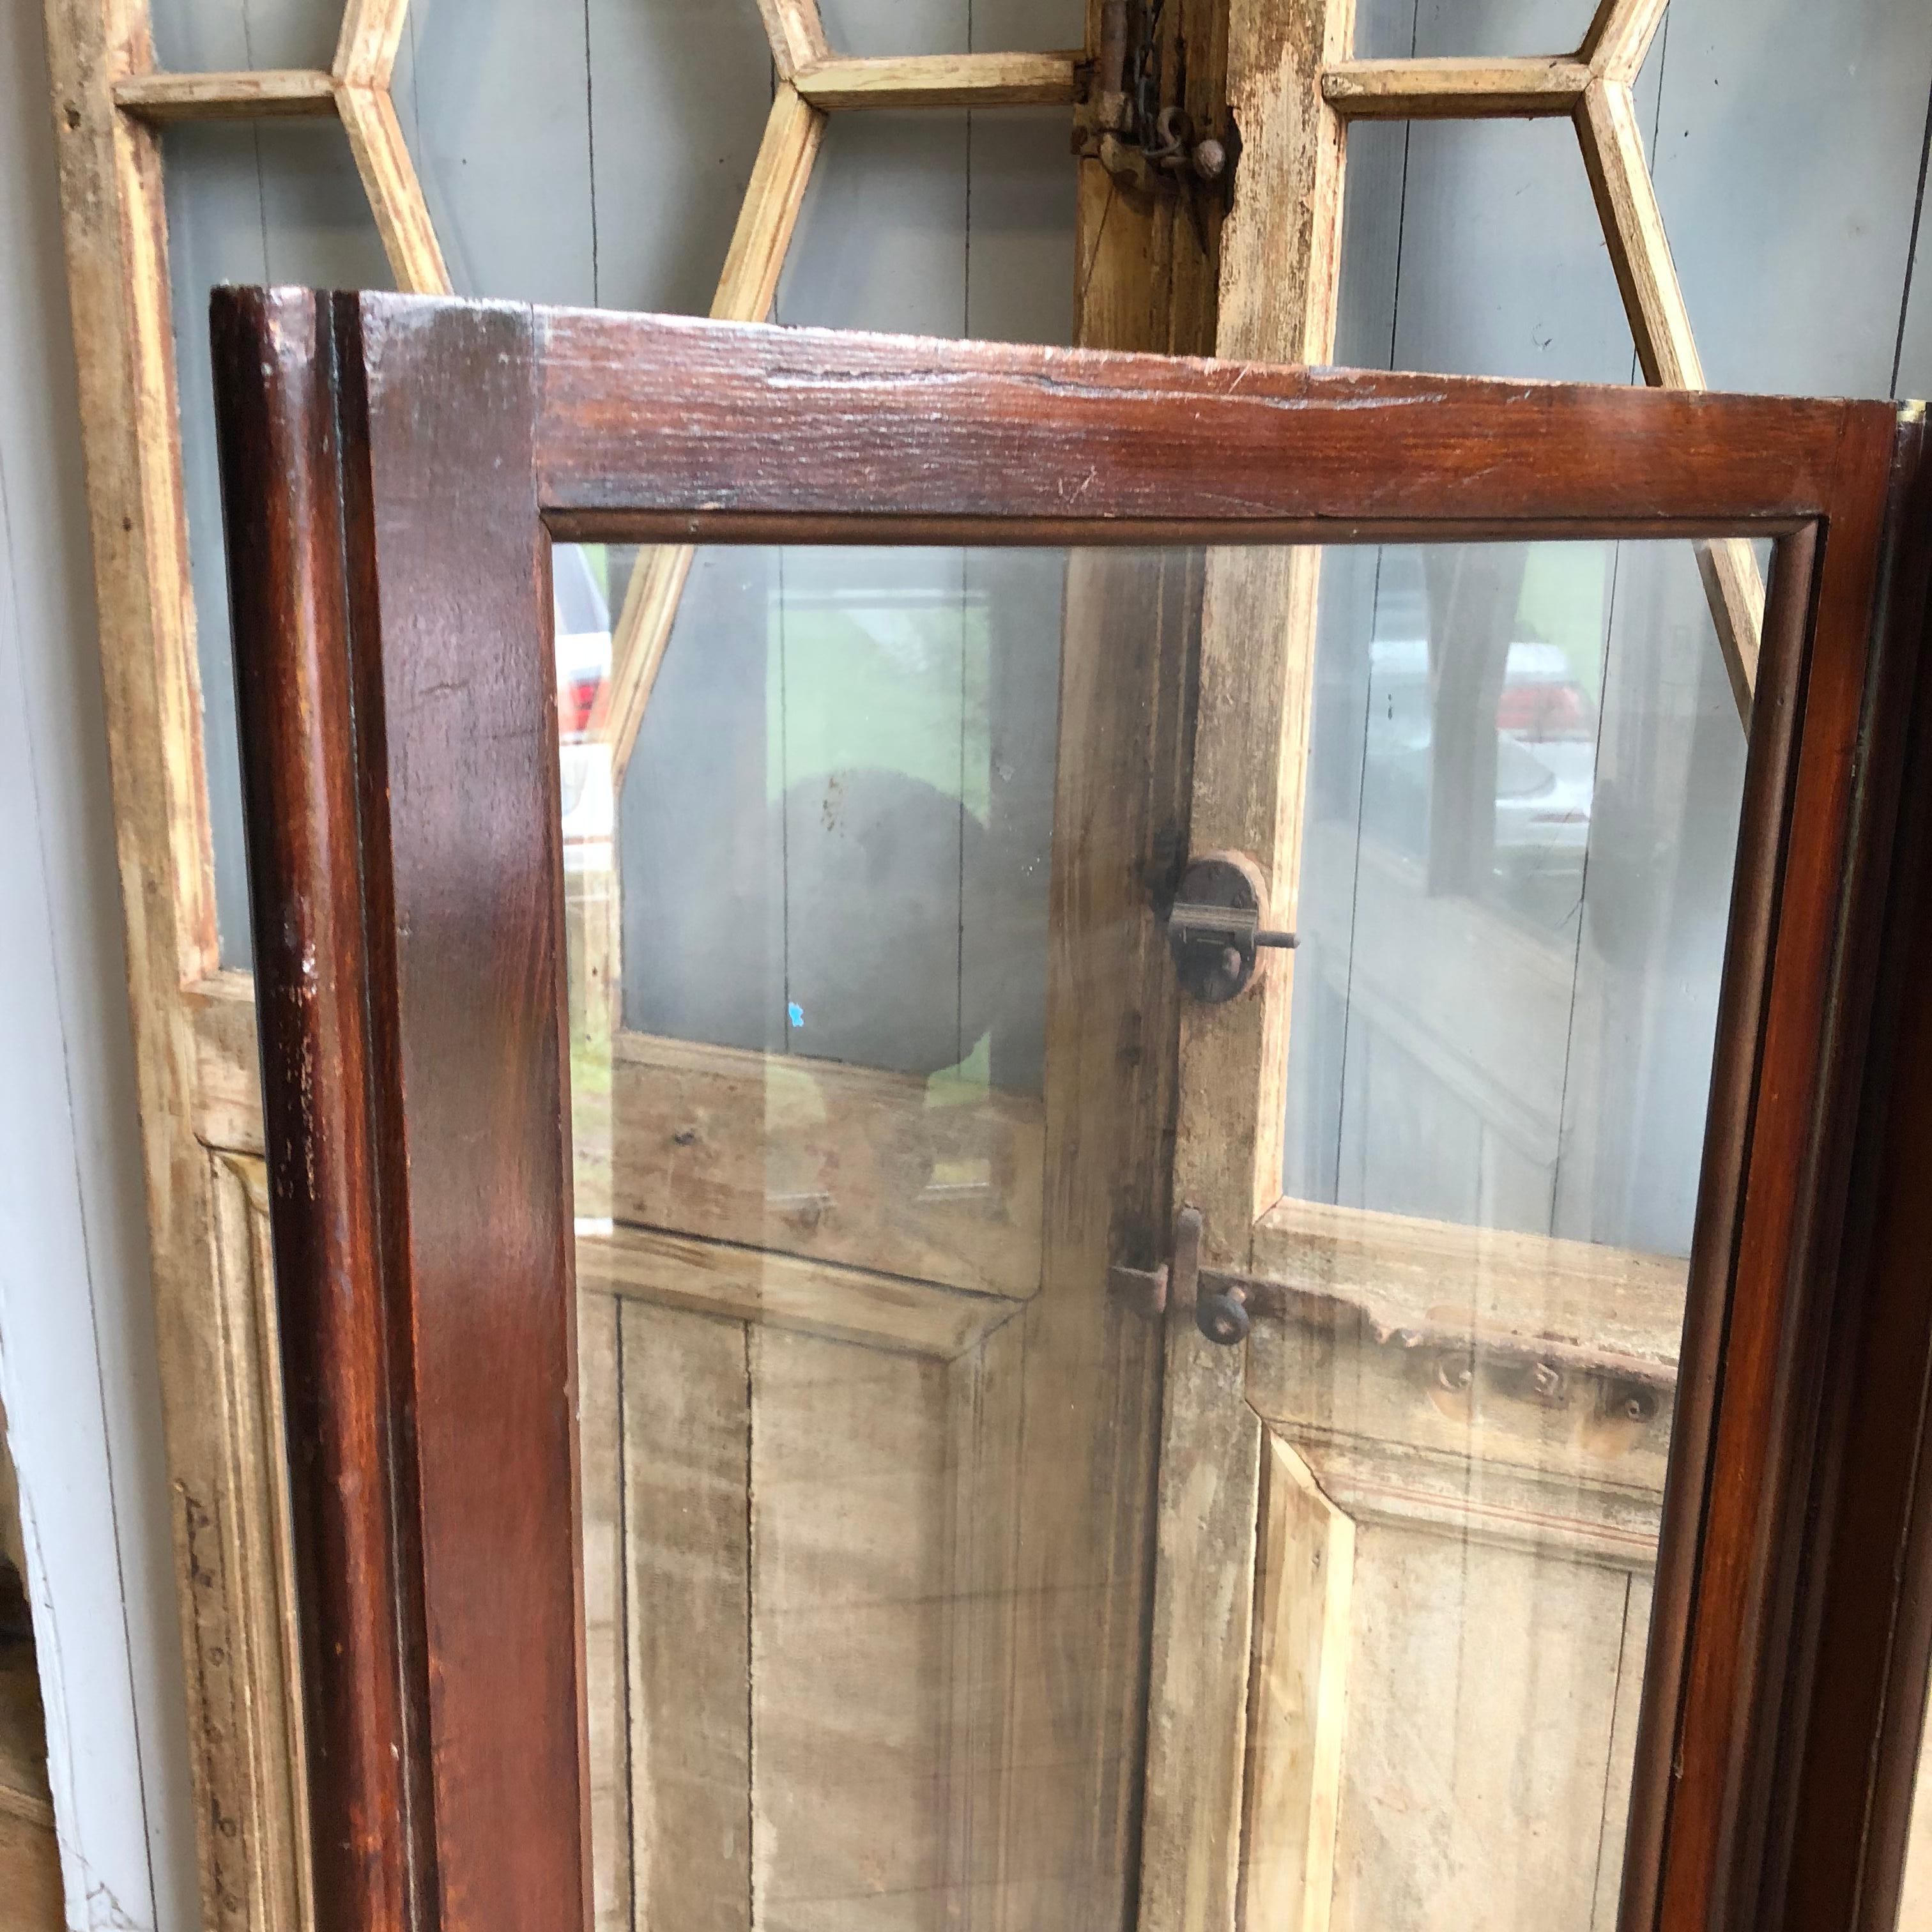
(425, 864)
(600, 1422)
(225, 97)
(1502, 88)
(834, 1163)
(780, 1290)
(114, 230)
(940, 80)
(1198, 1716)
(1280, 273)
(265, 1677)
(1864, 1642)
(1145, 280)
(809, 1158)
(796, 33)
(361, 1629)
(1619, 36)
(686, 1396)
(1298, 1708)
(395, 196)
(850, 1679)
(1402, 1272)
(1722, 1715)
(1113, 445)
(365, 50)
(466, 901)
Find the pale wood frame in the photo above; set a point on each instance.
(193, 1020)
(1593, 88)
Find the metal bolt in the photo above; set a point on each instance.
(1210, 160)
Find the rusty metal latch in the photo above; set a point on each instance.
(1553, 1372)
(1126, 122)
(1214, 928)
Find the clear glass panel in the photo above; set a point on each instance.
(274, 202)
(839, 1674)
(953, 26)
(1560, 817)
(807, 929)
(1395, 29)
(1526, 774)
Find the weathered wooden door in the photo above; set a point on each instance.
(1452, 1177)
(846, 1616)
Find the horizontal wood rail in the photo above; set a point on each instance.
(1455, 90)
(263, 92)
(942, 80)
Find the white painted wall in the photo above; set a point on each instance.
(76, 1331)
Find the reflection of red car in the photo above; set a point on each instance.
(1540, 708)
(582, 619)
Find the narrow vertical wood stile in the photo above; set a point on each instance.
(1278, 278)
(390, 655)
(362, 1659)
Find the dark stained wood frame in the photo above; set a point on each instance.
(394, 470)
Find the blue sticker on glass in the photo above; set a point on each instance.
(795, 1013)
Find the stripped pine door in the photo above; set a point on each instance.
(1456, 1185)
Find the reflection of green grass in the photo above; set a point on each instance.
(889, 675)
(1563, 588)
(899, 686)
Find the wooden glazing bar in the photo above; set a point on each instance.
(365, 51)
(1502, 89)
(942, 80)
(261, 92)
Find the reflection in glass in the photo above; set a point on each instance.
(1526, 776)
(833, 1676)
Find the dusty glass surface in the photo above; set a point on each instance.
(840, 1672)
(1526, 776)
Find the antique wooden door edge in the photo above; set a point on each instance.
(391, 465)
(421, 1212)
(1829, 1836)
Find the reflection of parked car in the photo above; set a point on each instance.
(582, 618)
(1546, 757)
(1545, 764)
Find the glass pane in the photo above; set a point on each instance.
(839, 1674)
(807, 920)
(266, 201)
(986, 26)
(1526, 775)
